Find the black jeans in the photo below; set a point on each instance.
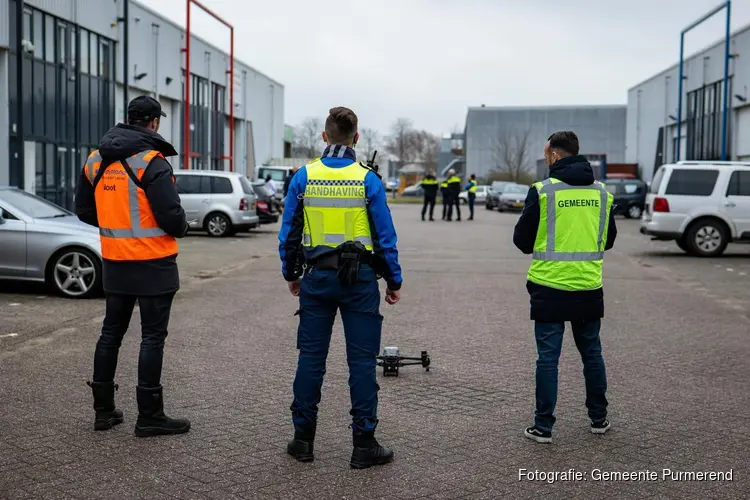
(472, 197)
(454, 201)
(155, 311)
(428, 200)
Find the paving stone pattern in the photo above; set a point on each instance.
(676, 343)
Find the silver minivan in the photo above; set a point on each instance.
(220, 203)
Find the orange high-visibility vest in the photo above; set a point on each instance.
(127, 227)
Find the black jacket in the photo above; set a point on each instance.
(154, 277)
(430, 190)
(549, 304)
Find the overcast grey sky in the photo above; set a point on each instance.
(428, 60)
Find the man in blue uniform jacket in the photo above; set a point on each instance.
(337, 223)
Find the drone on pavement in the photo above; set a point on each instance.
(391, 360)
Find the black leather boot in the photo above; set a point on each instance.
(151, 418)
(107, 416)
(301, 447)
(367, 452)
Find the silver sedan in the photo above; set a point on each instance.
(42, 242)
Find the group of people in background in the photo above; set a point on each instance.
(450, 189)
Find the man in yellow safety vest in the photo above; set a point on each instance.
(566, 225)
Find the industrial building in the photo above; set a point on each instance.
(63, 65)
(495, 134)
(654, 110)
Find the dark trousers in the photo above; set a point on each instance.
(428, 201)
(321, 296)
(454, 200)
(472, 197)
(446, 202)
(155, 311)
(549, 339)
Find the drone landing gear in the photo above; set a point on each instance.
(391, 360)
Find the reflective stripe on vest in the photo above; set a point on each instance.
(550, 189)
(136, 231)
(335, 205)
(337, 239)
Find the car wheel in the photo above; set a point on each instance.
(463, 201)
(707, 238)
(634, 212)
(75, 273)
(218, 225)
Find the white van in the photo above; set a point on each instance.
(278, 174)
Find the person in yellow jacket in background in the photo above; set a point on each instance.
(454, 188)
(430, 187)
(126, 189)
(471, 188)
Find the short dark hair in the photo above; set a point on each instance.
(341, 125)
(565, 141)
(138, 122)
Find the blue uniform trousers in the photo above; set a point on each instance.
(321, 295)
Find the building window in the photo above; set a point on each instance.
(62, 42)
(27, 32)
(73, 45)
(38, 35)
(49, 39)
(84, 51)
(704, 122)
(93, 55)
(104, 59)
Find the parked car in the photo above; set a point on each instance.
(493, 194)
(702, 206)
(512, 197)
(415, 190)
(481, 195)
(629, 196)
(221, 203)
(268, 206)
(42, 242)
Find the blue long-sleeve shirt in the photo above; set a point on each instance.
(383, 232)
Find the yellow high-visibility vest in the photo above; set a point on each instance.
(335, 206)
(573, 224)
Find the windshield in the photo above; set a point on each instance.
(498, 185)
(31, 205)
(516, 189)
(247, 188)
(276, 174)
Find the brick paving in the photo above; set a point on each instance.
(675, 342)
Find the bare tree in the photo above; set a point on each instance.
(369, 142)
(428, 149)
(307, 140)
(400, 142)
(511, 154)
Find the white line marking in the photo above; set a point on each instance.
(2, 336)
(13, 304)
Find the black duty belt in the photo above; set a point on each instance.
(331, 261)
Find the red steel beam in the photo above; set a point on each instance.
(230, 71)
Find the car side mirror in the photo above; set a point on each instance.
(2, 219)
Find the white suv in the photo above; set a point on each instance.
(701, 205)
